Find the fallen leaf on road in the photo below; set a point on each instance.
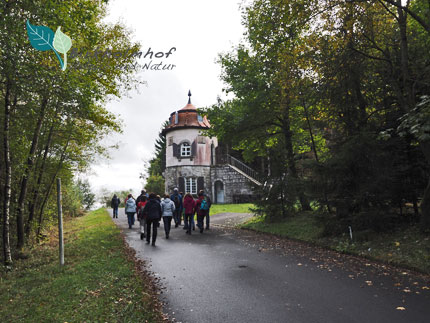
(299, 264)
(400, 308)
(369, 283)
(425, 287)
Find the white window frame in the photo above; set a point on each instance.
(191, 185)
(185, 149)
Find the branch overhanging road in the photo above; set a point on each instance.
(230, 275)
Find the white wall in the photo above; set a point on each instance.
(203, 151)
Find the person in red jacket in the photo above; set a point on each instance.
(142, 216)
(190, 209)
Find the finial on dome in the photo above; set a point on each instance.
(189, 96)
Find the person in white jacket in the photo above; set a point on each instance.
(168, 209)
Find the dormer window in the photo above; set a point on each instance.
(185, 150)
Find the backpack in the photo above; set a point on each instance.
(176, 200)
(140, 213)
(204, 205)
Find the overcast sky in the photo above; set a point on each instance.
(199, 30)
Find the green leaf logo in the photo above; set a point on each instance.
(43, 38)
(62, 43)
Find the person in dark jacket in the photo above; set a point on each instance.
(209, 201)
(177, 199)
(202, 210)
(153, 216)
(114, 205)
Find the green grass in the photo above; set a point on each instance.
(98, 282)
(232, 208)
(406, 247)
(304, 228)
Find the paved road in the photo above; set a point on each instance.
(226, 275)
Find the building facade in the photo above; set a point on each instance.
(192, 163)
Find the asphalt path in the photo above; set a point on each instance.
(228, 275)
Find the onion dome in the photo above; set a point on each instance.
(187, 117)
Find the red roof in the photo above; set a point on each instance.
(187, 118)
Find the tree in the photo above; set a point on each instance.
(53, 120)
(321, 88)
(87, 196)
(155, 184)
(267, 78)
(157, 165)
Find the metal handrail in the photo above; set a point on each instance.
(243, 167)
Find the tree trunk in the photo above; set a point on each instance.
(36, 190)
(24, 178)
(8, 178)
(48, 191)
(425, 203)
(290, 159)
(404, 58)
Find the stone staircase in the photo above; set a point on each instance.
(243, 169)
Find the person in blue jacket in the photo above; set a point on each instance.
(130, 209)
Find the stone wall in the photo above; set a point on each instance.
(237, 188)
(172, 175)
(235, 184)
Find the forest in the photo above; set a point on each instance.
(53, 120)
(330, 101)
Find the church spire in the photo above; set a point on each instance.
(189, 96)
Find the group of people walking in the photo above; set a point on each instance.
(151, 208)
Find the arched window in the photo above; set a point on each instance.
(185, 149)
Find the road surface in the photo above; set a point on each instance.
(230, 275)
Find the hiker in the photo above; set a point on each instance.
(208, 199)
(153, 213)
(130, 210)
(141, 216)
(168, 209)
(141, 196)
(202, 210)
(177, 199)
(114, 205)
(158, 199)
(190, 209)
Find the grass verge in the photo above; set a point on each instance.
(407, 247)
(100, 282)
(231, 208)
